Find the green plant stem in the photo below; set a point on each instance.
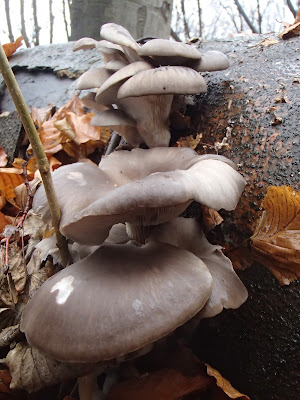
(38, 150)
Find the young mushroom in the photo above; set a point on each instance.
(146, 95)
(141, 187)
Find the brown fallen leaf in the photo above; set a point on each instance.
(225, 385)
(5, 380)
(31, 370)
(10, 48)
(9, 334)
(211, 218)
(8, 181)
(268, 42)
(276, 241)
(69, 130)
(291, 30)
(167, 384)
(3, 157)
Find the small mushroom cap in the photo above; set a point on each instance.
(163, 80)
(212, 61)
(115, 301)
(166, 52)
(93, 78)
(228, 291)
(89, 100)
(124, 73)
(119, 35)
(85, 44)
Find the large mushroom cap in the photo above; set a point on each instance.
(117, 300)
(144, 187)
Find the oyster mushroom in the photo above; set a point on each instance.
(141, 187)
(147, 96)
(116, 301)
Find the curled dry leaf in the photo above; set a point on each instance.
(225, 385)
(31, 370)
(291, 30)
(276, 241)
(9, 334)
(211, 218)
(10, 48)
(69, 130)
(3, 157)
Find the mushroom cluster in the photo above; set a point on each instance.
(135, 89)
(143, 270)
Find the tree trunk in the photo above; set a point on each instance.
(141, 18)
(23, 27)
(10, 34)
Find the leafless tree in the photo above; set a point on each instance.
(51, 18)
(245, 16)
(65, 18)
(200, 18)
(36, 35)
(291, 7)
(259, 17)
(10, 34)
(185, 24)
(23, 27)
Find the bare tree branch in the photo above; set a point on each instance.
(23, 28)
(242, 12)
(175, 36)
(259, 17)
(231, 16)
(10, 34)
(291, 7)
(186, 27)
(65, 18)
(51, 18)
(36, 25)
(200, 18)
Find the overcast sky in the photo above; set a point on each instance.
(274, 12)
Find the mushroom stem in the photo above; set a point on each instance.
(88, 388)
(139, 233)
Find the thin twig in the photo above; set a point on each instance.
(38, 150)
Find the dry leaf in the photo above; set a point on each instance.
(3, 222)
(5, 380)
(9, 334)
(268, 42)
(17, 267)
(190, 141)
(31, 370)
(69, 129)
(10, 48)
(276, 241)
(3, 157)
(211, 218)
(8, 181)
(41, 115)
(291, 30)
(225, 385)
(167, 384)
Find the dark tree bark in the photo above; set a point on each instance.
(141, 18)
(200, 18)
(10, 34)
(36, 25)
(23, 28)
(245, 16)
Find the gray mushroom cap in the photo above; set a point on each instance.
(118, 300)
(85, 43)
(92, 78)
(163, 80)
(144, 187)
(211, 61)
(165, 52)
(228, 291)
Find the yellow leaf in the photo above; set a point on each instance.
(225, 385)
(276, 240)
(190, 141)
(8, 181)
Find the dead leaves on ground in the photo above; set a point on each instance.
(172, 372)
(69, 130)
(276, 241)
(277, 237)
(10, 48)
